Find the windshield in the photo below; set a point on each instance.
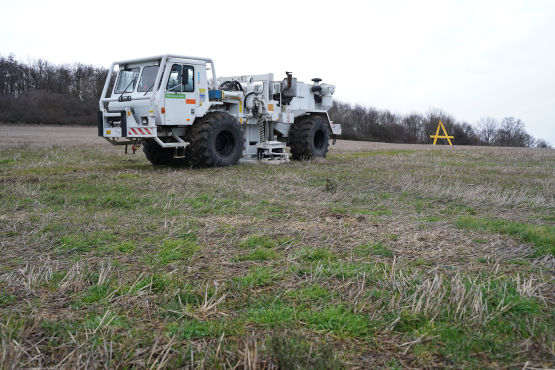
(126, 80)
(147, 78)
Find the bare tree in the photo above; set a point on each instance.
(540, 143)
(414, 125)
(512, 133)
(487, 129)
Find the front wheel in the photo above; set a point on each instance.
(308, 138)
(216, 141)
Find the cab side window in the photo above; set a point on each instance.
(189, 80)
(174, 82)
(181, 79)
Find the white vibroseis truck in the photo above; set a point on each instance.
(168, 105)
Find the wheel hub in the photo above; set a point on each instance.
(319, 141)
(224, 143)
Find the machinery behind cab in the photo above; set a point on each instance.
(168, 105)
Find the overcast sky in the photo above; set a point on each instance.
(470, 58)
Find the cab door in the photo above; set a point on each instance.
(180, 95)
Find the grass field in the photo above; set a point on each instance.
(389, 256)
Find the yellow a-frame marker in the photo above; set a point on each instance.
(446, 136)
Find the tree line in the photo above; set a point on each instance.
(44, 93)
(367, 123)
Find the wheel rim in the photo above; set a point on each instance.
(319, 139)
(224, 143)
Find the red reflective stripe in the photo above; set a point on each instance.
(141, 131)
(129, 133)
(147, 130)
(135, 132)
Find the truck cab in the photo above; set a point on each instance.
(170, 91)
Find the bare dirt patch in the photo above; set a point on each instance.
(44, 136)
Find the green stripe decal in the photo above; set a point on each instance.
(175, 96)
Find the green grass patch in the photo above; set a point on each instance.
(259, 254)
(6, 298)
(193, 329)
(208, 204)
(273, 208)
(519, 262)
(124, 247)
(156, 282)
(377, 249)
(92, 195)
(508, 322)
(82, 242)
(96, 293)
(420, 262)
(5, 161)
(336, 319)
(338, 210)
(340, 321)
(174, 250)
(457, 209)
(259, 241)
(54, 282)
(93, 321)
(541, 236)
(57, 330)
(379, 211)
(343, 270)
(311, 254)
(313, 292)
(257, 277)
(275, 313)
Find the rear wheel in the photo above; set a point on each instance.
(309, 138)
(159, 156)
(216, 141)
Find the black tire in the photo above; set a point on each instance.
(308, 138)
(216, 141)
(159, 156)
